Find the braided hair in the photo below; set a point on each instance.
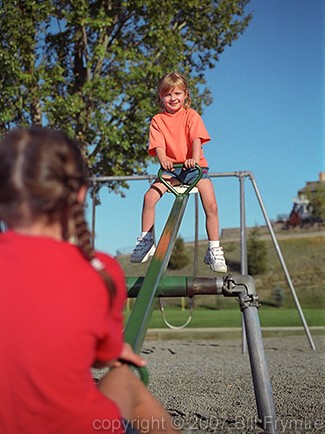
(41, 173)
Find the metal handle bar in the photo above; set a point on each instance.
(171, 188)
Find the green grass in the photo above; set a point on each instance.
(304, 258)
(305, 261)
(206, 318)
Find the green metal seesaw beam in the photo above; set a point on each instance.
(137, 325)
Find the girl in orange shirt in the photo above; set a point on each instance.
(176, 136)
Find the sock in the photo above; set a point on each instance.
(146, 235)
(213, 244)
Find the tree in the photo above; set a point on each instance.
(317, 200)
(179, 257)
(256, 253)
(90, 67)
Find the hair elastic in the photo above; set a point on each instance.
(97, 264)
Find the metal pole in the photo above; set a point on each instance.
(178, 286)
(243, 249)
(259, 368)
(286, 272)
(243, 245)
(244, 287)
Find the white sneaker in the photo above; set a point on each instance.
(144, 248)
(215, 258)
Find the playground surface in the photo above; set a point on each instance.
(207, 385)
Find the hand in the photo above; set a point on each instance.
(167, 165)
(190, 163)
(128, 356)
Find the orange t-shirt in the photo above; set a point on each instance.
(175, 133)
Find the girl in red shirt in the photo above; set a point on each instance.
(61, 303)
(176, 136)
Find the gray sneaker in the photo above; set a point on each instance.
(215, 258)
(144, 248)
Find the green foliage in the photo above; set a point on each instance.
(91, 67)
(304, 256)
(278, 295)
(179, 257)
(256, 253)
(317, 200)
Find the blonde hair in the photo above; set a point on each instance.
(41, 173)
(168, 82)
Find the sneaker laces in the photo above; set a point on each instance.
(141, 243)
(216, 252)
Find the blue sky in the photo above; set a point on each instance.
(267, 118)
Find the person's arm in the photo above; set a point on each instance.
(196, 151)
(163, 160)
(127, 356)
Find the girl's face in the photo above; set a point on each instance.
(174, 99)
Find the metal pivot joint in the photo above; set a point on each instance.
(243, 287)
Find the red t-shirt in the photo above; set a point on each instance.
(175, 133)
(54, 322)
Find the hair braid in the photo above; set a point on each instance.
(84, 240)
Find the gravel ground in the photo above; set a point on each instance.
(207, 385)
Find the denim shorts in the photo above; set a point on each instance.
(187, 176)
